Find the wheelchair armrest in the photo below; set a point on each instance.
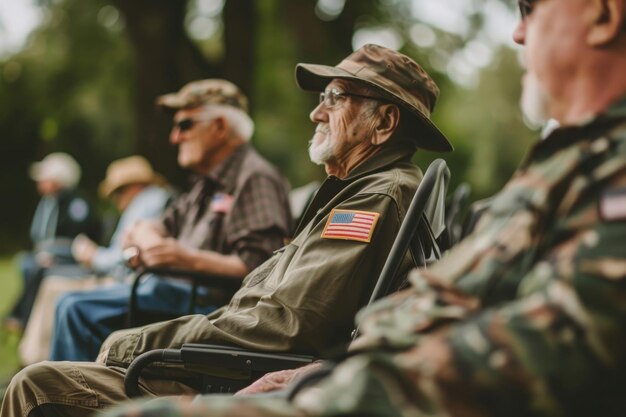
(131, 379)
(241, 359)
(227, 357)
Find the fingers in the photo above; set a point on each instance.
(269, 382)
(260, 386)
(83, 249)
(165, 253)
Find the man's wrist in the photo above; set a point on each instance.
(189, 260)
(130, 254)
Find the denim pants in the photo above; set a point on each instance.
(83, 320)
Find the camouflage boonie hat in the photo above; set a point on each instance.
(395, 76)
(198, 93)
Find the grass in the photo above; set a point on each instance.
(11, 286)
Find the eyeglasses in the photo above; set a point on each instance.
(186, 124)
(333, 96)
(526, 7)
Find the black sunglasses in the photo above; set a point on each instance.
(526, 7)
(186, 124)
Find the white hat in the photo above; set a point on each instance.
(59, 167)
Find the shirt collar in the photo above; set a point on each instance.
(224, 175)
(565, 136)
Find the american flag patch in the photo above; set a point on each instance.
(221, 203)
(613, 204)
(350, 225)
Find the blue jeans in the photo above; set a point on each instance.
(83, 320)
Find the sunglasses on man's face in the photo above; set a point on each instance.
(186, 124)
(526, 7)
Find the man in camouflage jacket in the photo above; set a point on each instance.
(527, 316)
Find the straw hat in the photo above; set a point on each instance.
(126, 171)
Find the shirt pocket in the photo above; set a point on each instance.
(272, 271)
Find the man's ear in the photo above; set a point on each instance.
(607, 21)
(220, 124)
(388, 121)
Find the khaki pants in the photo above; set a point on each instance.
(74, 389)
(35, 344)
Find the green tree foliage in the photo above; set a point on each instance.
(68, 90)
(86, 81)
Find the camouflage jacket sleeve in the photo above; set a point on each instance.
(558, 349)
(555, 346)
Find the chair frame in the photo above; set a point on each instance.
(228, 284)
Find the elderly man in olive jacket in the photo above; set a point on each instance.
(373, 113)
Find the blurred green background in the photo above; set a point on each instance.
(85, 78)
(8, 341)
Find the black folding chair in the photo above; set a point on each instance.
(457, 206)
(415, 235)
(139, 317)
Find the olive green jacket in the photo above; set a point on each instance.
(304, 298)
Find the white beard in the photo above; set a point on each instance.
(320, 153)
(535, 101)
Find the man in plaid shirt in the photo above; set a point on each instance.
(233, 218)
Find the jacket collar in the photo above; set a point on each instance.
(387, 156)
(224, 175)
(565, 136)
(333, 185)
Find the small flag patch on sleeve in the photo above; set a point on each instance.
(613, 204)
(350, 225)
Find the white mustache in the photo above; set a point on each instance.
(322, 128)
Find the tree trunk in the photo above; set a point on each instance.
(165, 60)
(240, 30)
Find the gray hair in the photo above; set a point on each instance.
(240, 122)
(370, 107)
(404, 131)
